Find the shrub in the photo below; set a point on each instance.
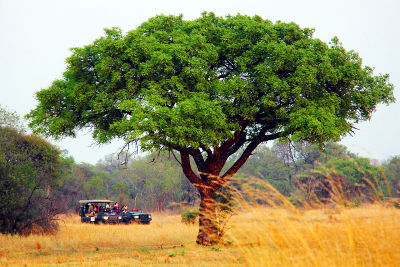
(190, 216)
(29, 175)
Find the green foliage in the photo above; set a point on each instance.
(29, 175)
(93, 187)
(119, 188)
(295, 166)
(281, 163)
(355, 170)
(176, 83)
(345, 180)
(190, 216)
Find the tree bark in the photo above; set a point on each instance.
(208, 228)
(208, 179)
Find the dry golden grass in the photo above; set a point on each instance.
(363, 236)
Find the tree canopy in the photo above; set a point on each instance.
(194, 83)
(208, 87)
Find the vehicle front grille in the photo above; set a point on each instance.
(143, 217)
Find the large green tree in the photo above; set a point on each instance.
(206, 88)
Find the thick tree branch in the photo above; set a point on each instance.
(198, 158)
(246, 154)
(227, 144)
(236, 146)
(187, 170)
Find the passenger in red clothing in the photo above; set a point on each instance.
(116, 207)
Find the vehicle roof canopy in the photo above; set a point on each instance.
(95, 201)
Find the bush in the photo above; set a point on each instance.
(190, 216)
(29, 176)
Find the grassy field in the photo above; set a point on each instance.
(363, 236)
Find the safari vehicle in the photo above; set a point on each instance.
(96, 211)
(136, 216)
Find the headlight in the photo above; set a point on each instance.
(149, 216)
(119, 217)
(105, 217)
(136, 216)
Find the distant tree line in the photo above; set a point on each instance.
(298, 170)
(307, 173)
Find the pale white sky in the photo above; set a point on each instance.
(35, 38)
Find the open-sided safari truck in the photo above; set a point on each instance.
(101, 211)
(96, 210)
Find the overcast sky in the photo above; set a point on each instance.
(36, 37)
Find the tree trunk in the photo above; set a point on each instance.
(208, 228)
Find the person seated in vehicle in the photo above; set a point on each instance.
(125, 209)
(116, 207)
(91, 211)
(95, 208)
